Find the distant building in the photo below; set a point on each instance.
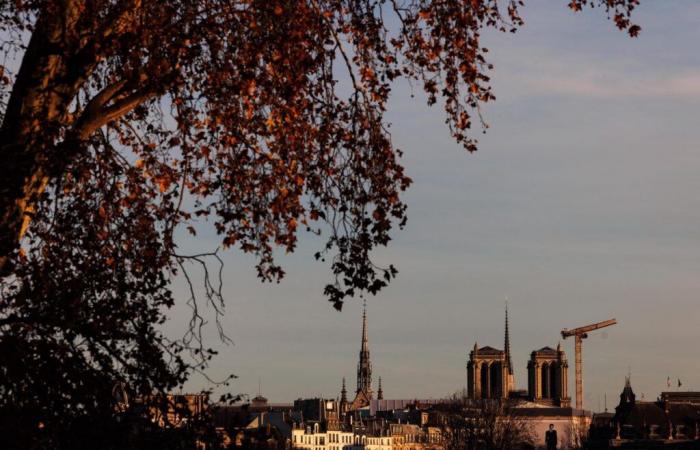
(670, 422)
(490, 371)
(548, 377)
(369, 434)
(259, 402)
(315, 437)
(255, 425)
(363, 394)
(490, 374)
(487, 373)
(179, 409)
(571, 424)
(675, 416)
(318, 410)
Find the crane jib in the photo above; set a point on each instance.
(579, 334)
(582, 330)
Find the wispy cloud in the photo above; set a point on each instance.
(550, 72)
(610, 84)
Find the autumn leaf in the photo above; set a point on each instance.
(163, 183)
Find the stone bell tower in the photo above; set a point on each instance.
(548, 377)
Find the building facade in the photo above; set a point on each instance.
(487, 373)
(490, 370)
(548, 377)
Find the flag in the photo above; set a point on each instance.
(668, 381)
(679, 383)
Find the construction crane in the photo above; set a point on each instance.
(579, 335)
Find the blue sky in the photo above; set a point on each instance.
(582, 204)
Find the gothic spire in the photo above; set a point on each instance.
(627, 396)
(364, 366)
(344, 393)
(506, 345)
(380, 393)
(365, 346)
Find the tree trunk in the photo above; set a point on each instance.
(53, 69)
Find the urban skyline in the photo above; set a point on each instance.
(594, 403)
(350, 225)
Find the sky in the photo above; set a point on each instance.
(582, 204)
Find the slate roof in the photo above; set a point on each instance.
(648, 412)
(681, 396)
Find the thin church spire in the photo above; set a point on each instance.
(365, 346)
(364, 366)
(506, 345)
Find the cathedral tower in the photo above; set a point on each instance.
(490, 370)
(548, 377)
(487, 373)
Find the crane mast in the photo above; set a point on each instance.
(579, 335)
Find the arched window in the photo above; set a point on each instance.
(496, 379)
(553, 381)
(485, 392)
(544, 380)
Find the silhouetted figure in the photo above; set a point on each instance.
(550, 438)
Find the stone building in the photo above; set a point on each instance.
(548, 377)
(487, 373)
(490, 371)
(373, 434)
(490, 374)
(314, 436)
(673, 418)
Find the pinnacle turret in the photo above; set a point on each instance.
(344, 393)
(627, 397)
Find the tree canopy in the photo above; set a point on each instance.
(127, 121)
